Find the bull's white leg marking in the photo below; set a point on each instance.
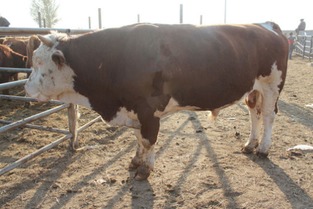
(255, 115)
(145, 156)
(270, 95)
(267, 95)
(125, 118)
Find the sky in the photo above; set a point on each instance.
(74, 14)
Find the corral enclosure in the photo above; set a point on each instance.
(198, 162)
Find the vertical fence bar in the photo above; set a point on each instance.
(304, 45)
(311, 45)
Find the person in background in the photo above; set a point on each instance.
(301, 27)
(291, 41)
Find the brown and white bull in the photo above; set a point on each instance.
(134, 75)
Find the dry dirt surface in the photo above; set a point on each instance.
(198, 162)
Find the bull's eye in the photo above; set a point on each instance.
(43, 75)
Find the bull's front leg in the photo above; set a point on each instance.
(146, 137)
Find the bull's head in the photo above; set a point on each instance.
(51, 77)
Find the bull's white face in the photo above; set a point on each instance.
(51, 80)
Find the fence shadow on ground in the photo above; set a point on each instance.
(31, 183)
(203, 143)
(286, 184)
(296, 112)
(281, 179)
(59, 166)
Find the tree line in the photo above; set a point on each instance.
(44, 12)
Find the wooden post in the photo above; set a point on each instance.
(39, 19)
(225, 12)
(73, 124)
(181, 15)
(138, 18)
(99, 16)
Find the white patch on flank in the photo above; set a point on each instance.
(172, 107)
(268, 88)
(125, 118)
(268, 26)
(49, 81)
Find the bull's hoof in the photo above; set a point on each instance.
(133, 166)
(143, 172)
(247, 150)
(261, 154)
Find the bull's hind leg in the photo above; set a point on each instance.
(269, 110)
(271, 86)
(254, 103)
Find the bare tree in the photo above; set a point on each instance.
(48, 10)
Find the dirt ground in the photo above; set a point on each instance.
(198, 162)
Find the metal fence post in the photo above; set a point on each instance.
(73, 124)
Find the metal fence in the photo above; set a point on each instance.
(72, 109)
(304, 46)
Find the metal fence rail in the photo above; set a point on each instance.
(8, 31)
(304, 46)
(72, 109)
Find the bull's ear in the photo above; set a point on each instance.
(45, 41)
(58, 58)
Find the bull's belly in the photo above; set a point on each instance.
(125, 118)
(261, 84)
(173, 106)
